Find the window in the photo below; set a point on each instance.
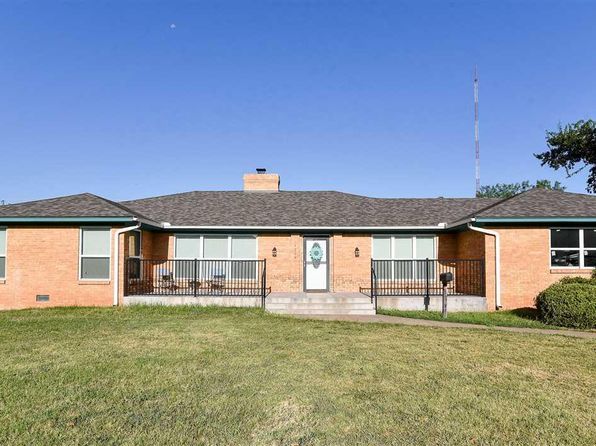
(408, 253)
(216, 247)
(382, 248)
(574, 248)
(243, 248)
(403, 247)
(95, 254)
(134, 254)
(2, 253)
(188, 247)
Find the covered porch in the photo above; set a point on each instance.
(197, 281)
(401, 284)
(416, 284)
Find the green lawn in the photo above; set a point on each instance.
(524, 317)
(175, 376)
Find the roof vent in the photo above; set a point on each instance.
(261, 170)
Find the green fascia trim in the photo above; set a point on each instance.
(65, 219)
(537, 220)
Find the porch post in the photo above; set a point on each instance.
(427, 296)
(264, 284)
(195, 284)
(372, 291)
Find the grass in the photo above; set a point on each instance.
(188, 375)
(523, 317)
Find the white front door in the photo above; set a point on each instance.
(316, 263)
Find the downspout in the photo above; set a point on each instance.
(117, 258)
(495, 234)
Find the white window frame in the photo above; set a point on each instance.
(413, 237)
(201, 238)
(581, 248)
(81, 255)
(4, 255)
(392, 256)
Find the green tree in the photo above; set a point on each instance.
(506, 190)
(572, 148)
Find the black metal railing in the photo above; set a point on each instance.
(421, 277)
(373, 291)
(196, 277)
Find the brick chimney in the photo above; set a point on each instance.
(261, 181)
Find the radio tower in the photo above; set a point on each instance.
(476, 141)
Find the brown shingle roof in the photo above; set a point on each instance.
(286, 208)
(80, 205)
(543, 203)
(309, 209)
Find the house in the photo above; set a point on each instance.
(266, 246)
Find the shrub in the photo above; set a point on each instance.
(585, 280)
(568, 303)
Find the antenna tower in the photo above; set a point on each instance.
(476, 139)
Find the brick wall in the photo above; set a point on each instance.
(157, 245)
(284, 272)
(45, 260)
(525, 265)
(349, 272)
(447, 246)
(470, 245)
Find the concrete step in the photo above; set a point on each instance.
(299, 305)
(341, 300)
(319, 303)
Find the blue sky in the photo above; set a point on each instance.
(367, 97)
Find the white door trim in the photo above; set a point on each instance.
(325, 240)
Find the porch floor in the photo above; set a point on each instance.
(454, 303)
(169, 299)
(316, 303)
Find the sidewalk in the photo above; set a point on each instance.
(379, 318)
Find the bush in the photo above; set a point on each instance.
(585, 280)
(569, 303)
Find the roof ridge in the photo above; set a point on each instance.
(556, 191)
(498, 203)
(349, 194)
(120, 206)
(174, 195)
(493, 205)
(437, 198)
(46, 199)
(239, 192)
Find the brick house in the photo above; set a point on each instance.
(293, 251)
